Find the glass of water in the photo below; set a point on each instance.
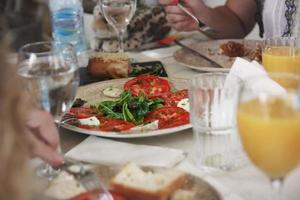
(213, 99)
(49, 71)
(118, 14)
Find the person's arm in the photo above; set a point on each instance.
(235, 19)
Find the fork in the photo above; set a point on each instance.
(207, 31)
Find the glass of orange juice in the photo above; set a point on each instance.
(268, 120)
(281, 55)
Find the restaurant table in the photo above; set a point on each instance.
(244, 183)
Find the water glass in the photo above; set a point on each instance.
(213, 99)
(49, 72)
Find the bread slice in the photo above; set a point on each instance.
(108, 65)
(136, 184)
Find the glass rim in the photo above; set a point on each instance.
(39, 43)
(279, 41)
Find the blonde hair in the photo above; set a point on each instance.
(14, 144)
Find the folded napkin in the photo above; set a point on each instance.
(105, 151)
(245, 70)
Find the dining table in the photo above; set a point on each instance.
(244, 183)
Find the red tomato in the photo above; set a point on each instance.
(117, 125)
(95, 196)
(109, 124)
(152, 86)
(117, 196)
(84, 196)
(82, 110)
(172, 99)
(93, 128)
(168, 117)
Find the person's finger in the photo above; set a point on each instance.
(183, 26)
(177, 18)
(41, 124)
(174, 10)
(46, 153)
(168, 2)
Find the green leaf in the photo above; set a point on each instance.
(128, 114)
(106, 107)
(155, 103)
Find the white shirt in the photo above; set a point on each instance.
(273, 18)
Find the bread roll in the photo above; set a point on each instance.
(108, 65)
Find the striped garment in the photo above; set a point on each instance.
(280, 18)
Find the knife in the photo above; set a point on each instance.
(198, 54)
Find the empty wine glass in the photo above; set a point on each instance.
(49, 71)
(118, 14)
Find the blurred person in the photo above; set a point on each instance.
(24, 132)
(237, 18)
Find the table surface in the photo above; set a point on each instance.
(247, 182)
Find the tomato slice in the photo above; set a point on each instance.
(109, 124)
(79, 110)
(152, 86)
(96, 195)
(84, 196)
(172, 99)
(169, 117)
(117, 125)
(117, 196)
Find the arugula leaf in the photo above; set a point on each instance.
(155, 103)
(106, 107)
(129, 108)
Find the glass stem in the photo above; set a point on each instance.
(121, 40)
(276, 184)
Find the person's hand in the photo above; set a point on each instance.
(178, 19)
(44, 137)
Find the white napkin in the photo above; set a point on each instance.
(245, 69)
(105, 151)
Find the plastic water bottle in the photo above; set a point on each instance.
(68, 26)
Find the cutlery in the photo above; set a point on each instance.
(205, 30)
(169, 40)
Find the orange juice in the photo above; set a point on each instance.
(281, 59)
(270, 133)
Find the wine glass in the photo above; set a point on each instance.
(118, 14)
(268, 120)
(49, 71)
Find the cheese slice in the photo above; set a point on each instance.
(91, 121)
(185, 104)
(113, 92)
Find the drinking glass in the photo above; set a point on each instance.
(281, 55)
(49, 71)
(268, 120)
(213, 99)
(118, 14)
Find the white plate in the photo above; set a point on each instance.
(205, 69)
(210, 49)
(93, 94)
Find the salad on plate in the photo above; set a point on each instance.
(143, 104)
